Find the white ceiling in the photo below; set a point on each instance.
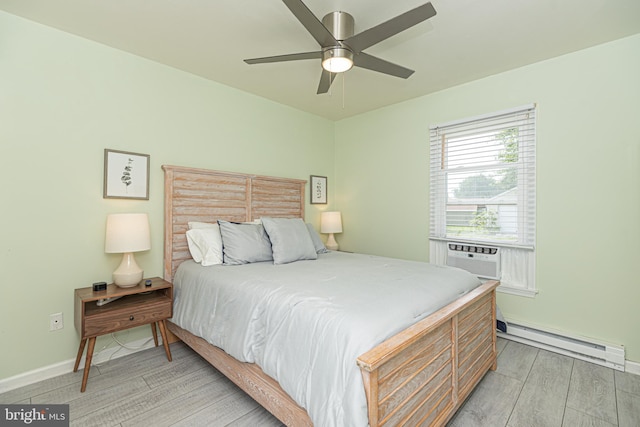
(466, 40)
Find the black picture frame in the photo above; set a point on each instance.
(318, 190)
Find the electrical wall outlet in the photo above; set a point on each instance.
(55, 322)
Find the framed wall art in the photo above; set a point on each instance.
(318, 190)
(126, 175)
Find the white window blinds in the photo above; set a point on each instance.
(483, 179)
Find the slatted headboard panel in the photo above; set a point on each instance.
(206, 195)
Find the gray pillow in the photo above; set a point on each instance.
(290, 240)
(317, 241)
(243, 243)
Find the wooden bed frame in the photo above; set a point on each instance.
(420, 376)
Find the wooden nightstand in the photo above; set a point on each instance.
(138, 305)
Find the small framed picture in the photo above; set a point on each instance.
(126, 175)
(318, 190)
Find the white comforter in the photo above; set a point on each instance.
(305, 323)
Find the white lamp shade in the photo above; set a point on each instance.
(331, 222)
(127, 232)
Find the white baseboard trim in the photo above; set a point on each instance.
(66, 366)
(632, 367)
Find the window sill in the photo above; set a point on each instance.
(505, 289)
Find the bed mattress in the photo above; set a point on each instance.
(305, 323)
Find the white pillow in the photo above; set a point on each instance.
(290, 240)
(205, 245)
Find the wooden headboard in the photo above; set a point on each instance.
(206, 196)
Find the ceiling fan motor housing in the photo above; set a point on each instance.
(337, 59)
(340, 24)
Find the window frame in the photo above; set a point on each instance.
(521, 250)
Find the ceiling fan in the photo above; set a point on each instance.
(341, 49)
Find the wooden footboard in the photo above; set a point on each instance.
(421, 376)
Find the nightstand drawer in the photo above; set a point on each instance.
(130, 314)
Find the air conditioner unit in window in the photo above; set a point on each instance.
(483, 261)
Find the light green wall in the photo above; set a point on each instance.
(63, 100)
(588, 184)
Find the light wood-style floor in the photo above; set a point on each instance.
(531, 387)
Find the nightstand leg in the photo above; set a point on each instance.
(155, 333)
(79, 356)
(165, 343)
(87, 363)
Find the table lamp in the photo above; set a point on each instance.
(127, 233)
(331, 222)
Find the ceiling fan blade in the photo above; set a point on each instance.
(373, 63)
(325, 81)
(313, 25)
(281, 58)
(376, 34)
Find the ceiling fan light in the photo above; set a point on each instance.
(337, 60)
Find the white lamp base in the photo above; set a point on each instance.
(128, 274)
(331, 244)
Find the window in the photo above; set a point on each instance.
(483, 184)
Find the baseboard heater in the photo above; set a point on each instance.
(600, 353)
